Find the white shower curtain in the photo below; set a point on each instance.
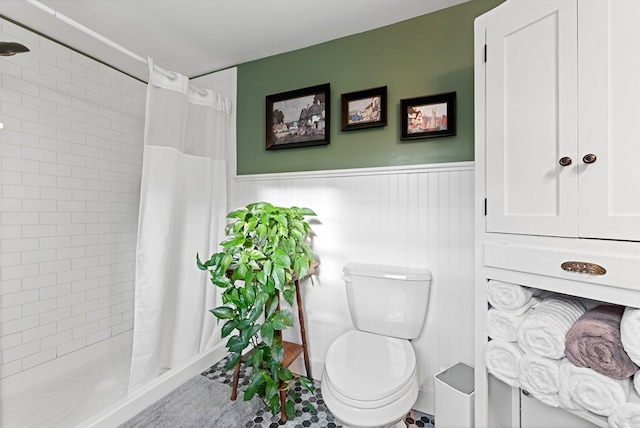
(182, 212)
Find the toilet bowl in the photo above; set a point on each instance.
(370, 378)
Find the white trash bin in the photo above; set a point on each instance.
(454, 397)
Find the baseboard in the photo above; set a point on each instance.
(425, 402)
(317, 366)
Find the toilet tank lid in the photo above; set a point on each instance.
(387, 271)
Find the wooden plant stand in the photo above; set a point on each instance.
(291, 350)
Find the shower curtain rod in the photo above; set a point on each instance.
(171, 75)
(85, 30)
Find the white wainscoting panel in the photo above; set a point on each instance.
(419, 216)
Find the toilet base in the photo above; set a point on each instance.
(400, 424)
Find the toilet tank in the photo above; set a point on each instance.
(387, 300)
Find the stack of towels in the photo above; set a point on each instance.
(565, 351)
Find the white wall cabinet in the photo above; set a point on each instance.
(562, 127)
(557, 136)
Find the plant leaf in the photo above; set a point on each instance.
(311, 408)
(262, 278)
(272, 305)
(301, 266)
(254, 314)
(228, 327)
(234, 359)
(281, 258)
(277, 352)
(282, 320)
(240, 272)
(199, 263)
(232, 241)
(239, 213)
(261, 230)
(290, 409)
(257, 357)
(250, 392)
(274, 404)
(236, 344)
(269, 286)
(288, 296)
(223, 312)
(267, 266)
(267, 331)
(278, 277)
(261, 298)
(305, 211)
(271, 390)
(225, 262)
(247, 334)
(307, 384)
(249, 293)
(258, 377)
(220, 281)
(232, 295)
(285, 374)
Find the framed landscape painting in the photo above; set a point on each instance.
(429, 116)
(298, 118)
(364, 109)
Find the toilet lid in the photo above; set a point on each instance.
(368, 367)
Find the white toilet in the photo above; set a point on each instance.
(370, 378)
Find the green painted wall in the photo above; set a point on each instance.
(427, 55)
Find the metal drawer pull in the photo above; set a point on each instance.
(590, 158)
(583, 267)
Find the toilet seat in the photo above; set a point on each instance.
(367, 370)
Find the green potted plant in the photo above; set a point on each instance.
(265, 248)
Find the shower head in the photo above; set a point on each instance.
(12, 48)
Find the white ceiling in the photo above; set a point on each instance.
(195, 37)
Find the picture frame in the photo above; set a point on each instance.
(298, 118)
(364, 109)
(428, 116)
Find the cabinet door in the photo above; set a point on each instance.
(609, 118)
(531, 118)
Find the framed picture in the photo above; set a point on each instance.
(298, 118)
(364, 109)
(426, 117)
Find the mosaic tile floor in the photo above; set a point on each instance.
(304, 417)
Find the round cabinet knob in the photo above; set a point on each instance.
(565, 161)
(589, 158)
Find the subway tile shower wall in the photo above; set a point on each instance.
(70, 167)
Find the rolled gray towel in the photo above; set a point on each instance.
(594, 342)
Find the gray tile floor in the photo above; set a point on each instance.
(304, 417)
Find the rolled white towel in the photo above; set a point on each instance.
(503, 325)
(636, 381)
(627, 415)
(564, 372)
(591, 390)
(629, 333)
(508, 296)
(503, 361)
(540, 376)
(543, 331)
